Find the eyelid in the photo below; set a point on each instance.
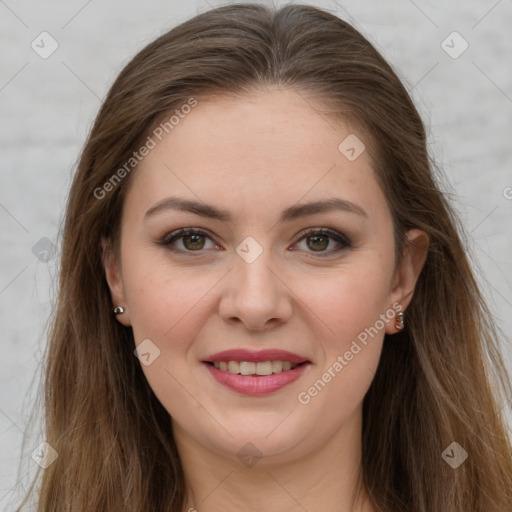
(181, 232)
(333, 234)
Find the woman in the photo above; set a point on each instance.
(264, 300)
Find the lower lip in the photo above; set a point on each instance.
(256, 385)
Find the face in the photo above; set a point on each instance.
(266, 273)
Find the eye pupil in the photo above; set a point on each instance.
(195, 238)
(317, 237)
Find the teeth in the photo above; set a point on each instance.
(264, 368)
(277, 366)
(247, 368)
(251, 368)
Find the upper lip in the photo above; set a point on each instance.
(241, 354)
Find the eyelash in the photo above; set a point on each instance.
(310, 232)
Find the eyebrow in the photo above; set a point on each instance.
(289, 214)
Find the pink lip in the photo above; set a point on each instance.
(255, 357)
(256, 385)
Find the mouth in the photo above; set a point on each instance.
(256, 373)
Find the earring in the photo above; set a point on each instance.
(118, 310)
(400, 321)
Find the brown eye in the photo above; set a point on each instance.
(318, 240)
(192, 240)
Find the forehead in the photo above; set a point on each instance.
(271, 147)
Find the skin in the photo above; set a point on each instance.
(255, 157)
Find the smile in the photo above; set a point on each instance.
(256, 373)
(253, 368)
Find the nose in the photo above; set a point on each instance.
(255, 294)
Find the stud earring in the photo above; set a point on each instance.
(400, 321)
(118, 310)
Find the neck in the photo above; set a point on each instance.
(325, 478)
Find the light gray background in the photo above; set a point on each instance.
(48, 105)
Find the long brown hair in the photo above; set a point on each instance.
(439, 381)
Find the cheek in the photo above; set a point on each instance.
(347, 301)
(163, 303)
(348, 309)
(168, 307)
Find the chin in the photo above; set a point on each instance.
(264, 439)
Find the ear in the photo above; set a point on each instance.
(407, 273)
(115, 281)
